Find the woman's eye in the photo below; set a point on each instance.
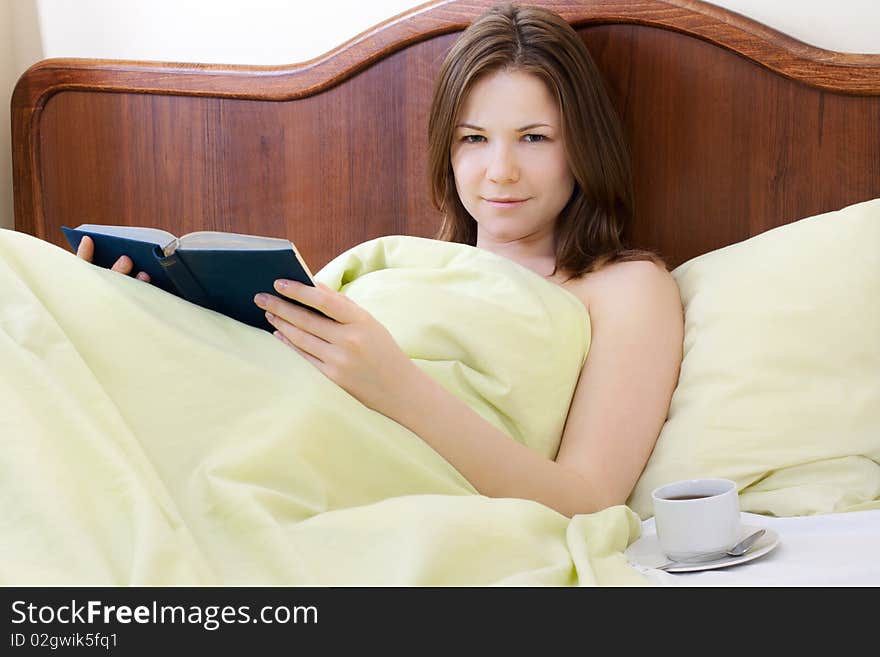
(476, 139)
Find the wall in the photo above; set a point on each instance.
(230, 31)
(7, 81)
(20, 46)
(283, 32)
(845, 25)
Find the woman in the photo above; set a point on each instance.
(528, 162)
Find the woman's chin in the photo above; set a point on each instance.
(502, 231)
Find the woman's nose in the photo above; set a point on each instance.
(503, 166)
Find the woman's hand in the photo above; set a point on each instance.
(123, 265)
(351, 348)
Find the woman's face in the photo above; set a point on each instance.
(508, 146)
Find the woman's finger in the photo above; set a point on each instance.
(311, 344)
(330, 302)
(86, 249)
(123, 265)
(314, 361)
(303, 318)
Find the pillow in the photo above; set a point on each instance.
(779, 387)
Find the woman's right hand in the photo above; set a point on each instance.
(123, 265)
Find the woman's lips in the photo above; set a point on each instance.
(505, 204)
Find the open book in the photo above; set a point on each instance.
(216, 270)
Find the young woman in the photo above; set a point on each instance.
(528, 162)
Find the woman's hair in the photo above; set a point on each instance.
(589, 230)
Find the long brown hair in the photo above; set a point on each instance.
(589, 230)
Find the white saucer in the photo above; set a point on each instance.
(646, 552)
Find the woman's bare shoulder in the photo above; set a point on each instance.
(623, 283)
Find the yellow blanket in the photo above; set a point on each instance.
(145, 440)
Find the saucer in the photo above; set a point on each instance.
(646, 552)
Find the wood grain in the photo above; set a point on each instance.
(734, 128)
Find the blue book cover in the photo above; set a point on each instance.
(219, 271)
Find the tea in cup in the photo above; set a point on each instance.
(697, 519)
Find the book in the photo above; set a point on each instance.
(216, 270)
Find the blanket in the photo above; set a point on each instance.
(148, 441)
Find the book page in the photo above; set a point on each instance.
(152, 235)
(208, 240)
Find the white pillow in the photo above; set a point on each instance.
(780, 383)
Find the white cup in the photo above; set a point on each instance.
(697, 519)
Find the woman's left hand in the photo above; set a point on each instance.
(351, 348)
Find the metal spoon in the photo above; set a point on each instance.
(736, 551)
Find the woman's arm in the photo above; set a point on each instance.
(617, 410)
(622, 398)
(494, 463)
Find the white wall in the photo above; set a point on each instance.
(845, 25)
(207, 31)
(284, 32)
(20, 46)
(7, 82)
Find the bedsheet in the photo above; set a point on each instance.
(144, 440)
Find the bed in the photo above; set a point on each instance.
(752, 153)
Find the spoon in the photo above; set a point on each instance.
(736, 551)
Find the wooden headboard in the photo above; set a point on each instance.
(734, 128)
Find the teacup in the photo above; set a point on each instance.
(697, 519)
